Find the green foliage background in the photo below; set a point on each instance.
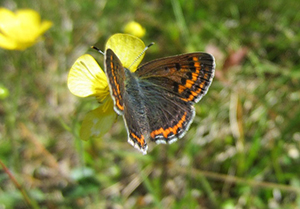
(242, 150)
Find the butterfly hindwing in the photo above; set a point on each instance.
(136, 122)
(168, 116)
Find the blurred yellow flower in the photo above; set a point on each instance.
(4, 92)
(86, 79)
(21, 29)
(135, 29)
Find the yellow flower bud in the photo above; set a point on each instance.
(135, 29)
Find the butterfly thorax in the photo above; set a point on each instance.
(132, 87)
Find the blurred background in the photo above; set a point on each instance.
(242, 150)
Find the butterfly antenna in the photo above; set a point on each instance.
(147, 47)
(101, 52)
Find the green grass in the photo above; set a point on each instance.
(242, 151)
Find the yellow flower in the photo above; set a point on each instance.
(22, 29)
(86, 79)
(135, 29)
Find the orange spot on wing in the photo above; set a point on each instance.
(116, 91)
(119, 105)
(206, 75)
(197, 64)
(141, 141)
(174, 129)
(189, 84)
(194, 76)
(181, 89)
(195, 93)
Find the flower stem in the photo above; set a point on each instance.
(30, 203)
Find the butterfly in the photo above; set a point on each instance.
(156, 101)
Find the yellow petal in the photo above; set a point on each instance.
(99, 121)
(86, 78)
(6, 17)
(45, 25)
(127, 48)
(6, 42)
(29, 17)
(7, 21)
(31, 22)
(29, 26)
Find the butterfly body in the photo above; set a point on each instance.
(156, 101)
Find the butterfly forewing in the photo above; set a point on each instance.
(115, 73)
(188, 75)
